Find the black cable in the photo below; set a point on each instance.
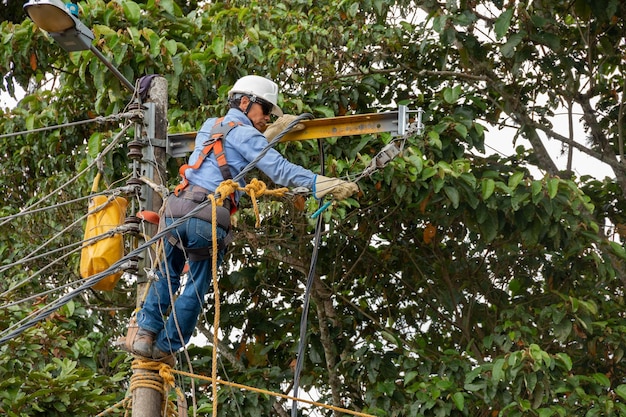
(307, 298)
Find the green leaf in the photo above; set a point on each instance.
(488, 186)
(94, 144)
(171, 46)
(461, 130)
(508, 49)
(410, 376)
(459, 400)
(489, 228)
(132, 11)
(453, 195)
(497, 374)
(428, 172)
(545, 412)
(621, 391)
(515, 179)
(618, 249)
(217, 46)
(602, 379)
(325, 111)
(553, 187)
(451, 95)
(503, 22)
(434, 139)
(566, 360)
(168, 6)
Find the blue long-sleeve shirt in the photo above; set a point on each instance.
(241, 146)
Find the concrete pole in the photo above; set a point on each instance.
(147, 401)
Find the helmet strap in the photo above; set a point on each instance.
(250, 103)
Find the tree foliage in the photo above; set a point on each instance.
(456, 284)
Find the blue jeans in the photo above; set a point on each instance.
(173, 334)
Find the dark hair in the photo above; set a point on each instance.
(235, 101)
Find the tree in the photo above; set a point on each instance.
(456, 284)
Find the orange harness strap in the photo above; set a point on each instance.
(213, 144)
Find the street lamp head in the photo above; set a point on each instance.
(61, 22)
(54, 17)
(49, 15)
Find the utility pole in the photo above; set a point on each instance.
(148, 153)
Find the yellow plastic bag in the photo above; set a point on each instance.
(101, 254)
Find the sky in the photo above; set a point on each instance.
(501, 142)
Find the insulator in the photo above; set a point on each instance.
(135, 149)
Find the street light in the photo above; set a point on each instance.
(67, 30)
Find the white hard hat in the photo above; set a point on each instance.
(261, 87)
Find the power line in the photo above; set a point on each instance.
(98, 119)
(97, 160)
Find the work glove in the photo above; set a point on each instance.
(281, 124)
(337, 188)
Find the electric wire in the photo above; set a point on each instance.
(249, 167)
(78, 246)
(96, 161)
(32, 255)
(52, 207)
(31, 277)
(98, 119)
(307, 297)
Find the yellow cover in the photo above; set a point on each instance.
(101, 254)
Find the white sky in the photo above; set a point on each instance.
(501, 142)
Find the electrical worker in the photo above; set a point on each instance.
(252, 100)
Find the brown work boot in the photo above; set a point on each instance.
(142, 343)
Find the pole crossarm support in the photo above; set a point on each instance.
(394, 122)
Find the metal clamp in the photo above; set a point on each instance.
(404, 125)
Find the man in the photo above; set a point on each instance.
(252, 100)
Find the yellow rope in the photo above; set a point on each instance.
(161, 382)
(274, 394)
(167, 373)
(254, 189)
(165, 380)
(216, 296)
(114, 408)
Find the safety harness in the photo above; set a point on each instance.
(189, 196)
(213, 144)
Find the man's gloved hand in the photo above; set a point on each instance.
(338, 188)
(281, 124)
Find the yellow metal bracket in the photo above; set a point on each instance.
(394, 122)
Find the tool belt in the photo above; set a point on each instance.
(187, 200)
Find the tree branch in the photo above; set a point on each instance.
(328, 345)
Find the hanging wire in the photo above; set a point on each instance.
(307, 297)
(76, 245)
(52, 207)
(32, 256)
(93, 163)
(99, 119)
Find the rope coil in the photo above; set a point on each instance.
(256, 188)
